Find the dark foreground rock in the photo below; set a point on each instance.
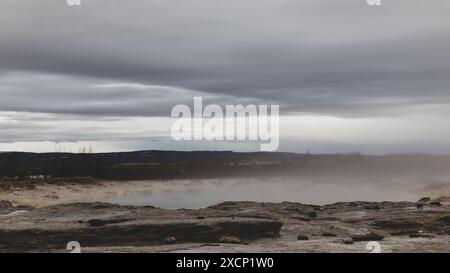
(367, 237)
(4, 204)
(234, 226)
(101, 224)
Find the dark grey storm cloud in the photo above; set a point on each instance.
(107, 73)
(325, 57)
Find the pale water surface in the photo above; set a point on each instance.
(202, 193)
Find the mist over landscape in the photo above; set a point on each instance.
(115, 134)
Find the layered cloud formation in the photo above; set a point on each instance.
(81, 73)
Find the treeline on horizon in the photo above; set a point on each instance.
(173, 165)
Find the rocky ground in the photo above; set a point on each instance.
(422, 226)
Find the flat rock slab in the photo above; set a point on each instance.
(102, 224)
(229, 226)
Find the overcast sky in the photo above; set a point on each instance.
(348, 77)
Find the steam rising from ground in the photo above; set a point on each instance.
(201, 193)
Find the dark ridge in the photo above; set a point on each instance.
(205, 164)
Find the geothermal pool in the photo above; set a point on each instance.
(176, 194)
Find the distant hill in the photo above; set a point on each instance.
(202, 164)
